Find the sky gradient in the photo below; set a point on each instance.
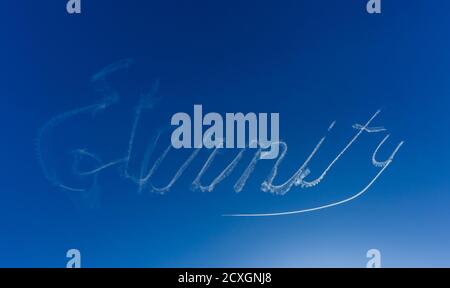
(313, 62)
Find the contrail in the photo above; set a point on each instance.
(300, 180)
(306, 184)
(324, 206)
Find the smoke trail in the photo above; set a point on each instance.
(298, 177)
(147, 101)
(361, 192)
(177, 175)
(196, 184)
(382, 165)
(369, 129)
(248, 171)
(306, 184)
(110, 97)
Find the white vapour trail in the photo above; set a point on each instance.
(46, 130)
(282, 189)
(146, 161)
(108, 70)
(374, 160)
(177, 175)
(196, 184)
(248, 171)
(307, 184)
(369, 129)
(147, 101)
(328, 205)
(110, 97)
(331, 126)
(298, 177)
(102, 167)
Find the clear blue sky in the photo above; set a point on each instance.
(311, 61)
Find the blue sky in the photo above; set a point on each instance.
(314, 62)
